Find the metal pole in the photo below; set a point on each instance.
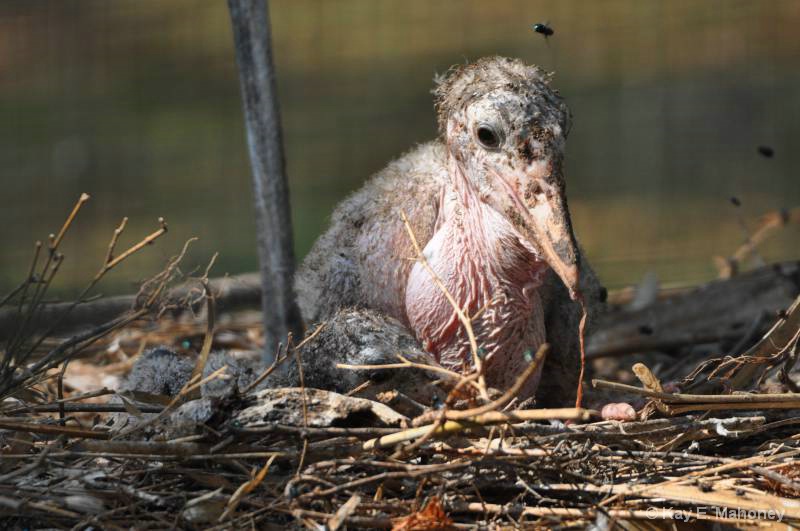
(252, 40)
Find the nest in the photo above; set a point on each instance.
(306, 457)
(717, 443)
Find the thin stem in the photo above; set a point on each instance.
(55, 242)
(465, 321)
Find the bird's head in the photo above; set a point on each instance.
(505, 131)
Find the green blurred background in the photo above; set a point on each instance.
(137, 103)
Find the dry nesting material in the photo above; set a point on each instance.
(307, 458)
(699, 450)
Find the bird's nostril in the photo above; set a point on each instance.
(534, 189)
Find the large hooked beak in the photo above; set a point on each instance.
(550, 229)
(547, 226)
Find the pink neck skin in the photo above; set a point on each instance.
(482, 260)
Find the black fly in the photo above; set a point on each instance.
(766, 151)
(544, 29)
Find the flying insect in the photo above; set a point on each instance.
(543, 29)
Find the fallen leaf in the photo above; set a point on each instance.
(431, 518)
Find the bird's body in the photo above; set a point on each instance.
(372, 264)
(485, 202)
(480, 259)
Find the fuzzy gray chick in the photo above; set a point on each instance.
(487, 203)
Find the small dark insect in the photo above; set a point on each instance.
(735, 201)
(766, 151)
(646, 330)
(544, 29)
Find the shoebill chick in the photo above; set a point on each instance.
(487, 203)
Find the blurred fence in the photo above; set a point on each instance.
(136, 102)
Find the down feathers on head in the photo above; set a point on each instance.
(464, 83)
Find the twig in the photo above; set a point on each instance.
(114, 239)
(105, 268)
(85, 408)
(299, 361)
(419, 472)
(405, 364)
(465, 321)
(770, 222)
(208, 340)
(787, 399)
(52, 429)
(506, 397)
(147, 240)
(492, 417)
(25, 283)
(344, 512)
(182, 396)
(245, 488)
(68, 223)
(31, 467)
(277, 360)
(582, 344)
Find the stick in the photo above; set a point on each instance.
(510, 393)
(232, 294)
(465, 320)
(484, 419)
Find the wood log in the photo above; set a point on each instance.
(722, 309)
(232, 294)
(719, 310)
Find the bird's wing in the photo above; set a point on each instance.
(364, 258)
(562, 316)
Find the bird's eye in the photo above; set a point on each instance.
(487, 136)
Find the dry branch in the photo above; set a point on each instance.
(719, 310)
(231, 293)
(722, 309)
(768, 225)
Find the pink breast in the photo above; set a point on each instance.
(489, 272)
